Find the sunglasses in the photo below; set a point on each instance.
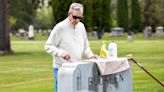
(76, 17)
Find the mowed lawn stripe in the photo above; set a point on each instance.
(27, 82)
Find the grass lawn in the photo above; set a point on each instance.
(29, 69)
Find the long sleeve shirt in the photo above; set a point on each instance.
(69, 38)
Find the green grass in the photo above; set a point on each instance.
(29, 69)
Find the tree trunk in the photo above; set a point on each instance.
(4, 28)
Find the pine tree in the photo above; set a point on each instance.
(136, 15)
(88, 11)
(106, 4)
(60, 9)
(23, 11)
(97, 17)
(122, 14)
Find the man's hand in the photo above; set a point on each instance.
(66, 56)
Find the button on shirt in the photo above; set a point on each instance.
(69, 38)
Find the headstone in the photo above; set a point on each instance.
(49, 31)
(148, 32)
(130, 36)
(1, 52)
(159, 31)
(95, 35)
(21, 33)
(31, 34)
(40, 31)
(117, 31)
(89, 34)
(44, 32)
(11, 34)
(85, 77)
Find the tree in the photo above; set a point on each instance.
(107, 22)
(44, 17)
(4, 28)
(135, 15)
(88, 13)
(60, 9)
(153, 12)
(23, 12)
(97, 17)
(122, 14)
(146, 12)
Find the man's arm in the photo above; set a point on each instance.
(51, 45)
(87, 50)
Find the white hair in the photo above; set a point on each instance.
(76, 6)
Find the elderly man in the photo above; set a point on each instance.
(68, 40)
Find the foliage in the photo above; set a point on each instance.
(97, 13)
(152, 11)
(107, 22)
(122, 14)
(60, 9)
(88, 14)
(44, 18)
(22, 12)
(97, 16)
(136, 15)
(101, 16)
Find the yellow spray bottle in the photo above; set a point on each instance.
(103, 51)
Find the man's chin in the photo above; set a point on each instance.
(75, 24)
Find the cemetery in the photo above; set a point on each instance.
(134, 64)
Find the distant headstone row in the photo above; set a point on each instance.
(159, 31)
(117, 31)
(31, 33)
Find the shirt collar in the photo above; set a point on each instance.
(69, 22)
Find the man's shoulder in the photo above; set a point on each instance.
(80, 24)
(59, 25)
